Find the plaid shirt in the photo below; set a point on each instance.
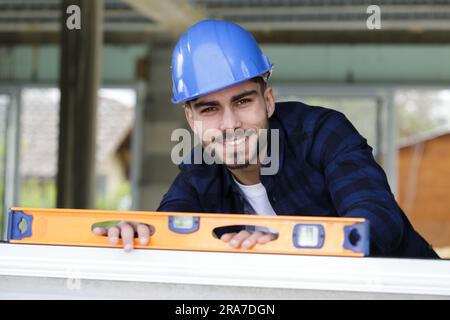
(326, 169)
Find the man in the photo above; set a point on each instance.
(325, 168)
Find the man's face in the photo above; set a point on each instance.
(228, 121)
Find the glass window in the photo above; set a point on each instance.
(423, 162)
(4, 105)
(39, 147)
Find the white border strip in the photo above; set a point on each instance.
(407, 276)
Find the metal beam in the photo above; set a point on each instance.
(31, 28)
(273, 36)
(11, 157)
(79, 82)
(353, 36)
(262, 11)
(334, 25)
(392, 147)
(174, 16)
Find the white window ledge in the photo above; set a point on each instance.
(43, 265)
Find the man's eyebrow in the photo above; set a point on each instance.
(233, 99)
(243, 94)
(205, 103)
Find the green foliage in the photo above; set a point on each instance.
(38, 193)
(105, 224)
(2, 213)
(116, 200)
(420, 111)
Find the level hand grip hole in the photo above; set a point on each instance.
(220, 231)
(105, 225)
(354, 237)
(23, 225)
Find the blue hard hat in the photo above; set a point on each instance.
(213, 55)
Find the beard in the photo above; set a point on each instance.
(236, 166)
(235, 158)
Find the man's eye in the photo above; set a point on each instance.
(208, 109)
(243, 101)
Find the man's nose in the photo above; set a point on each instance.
(230, 120)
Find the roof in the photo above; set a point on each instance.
(130, 19)
(39, 133)
(274, 13)
(424, 136)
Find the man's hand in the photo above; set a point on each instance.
(247, 239)
(126, 230)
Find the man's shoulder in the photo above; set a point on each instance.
(297, 107)
(298, 115)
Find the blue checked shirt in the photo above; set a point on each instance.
(326, 169)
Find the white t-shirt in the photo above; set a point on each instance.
(256, 196)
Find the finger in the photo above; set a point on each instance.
(267, 237)
(250, 241)
(135, 225)
(143, 232)
(127, 234)
(99, 231)
(226, 237)
(113, 235)
(237, 239)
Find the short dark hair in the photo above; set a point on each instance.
(262, 83)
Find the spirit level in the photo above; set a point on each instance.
(192, 231)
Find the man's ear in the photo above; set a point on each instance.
(189, 117)
(270, 101)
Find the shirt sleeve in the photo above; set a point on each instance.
(358, 185)
(181, 197)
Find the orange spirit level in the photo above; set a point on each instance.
(192, 231)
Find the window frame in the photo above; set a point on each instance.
(283, 275)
